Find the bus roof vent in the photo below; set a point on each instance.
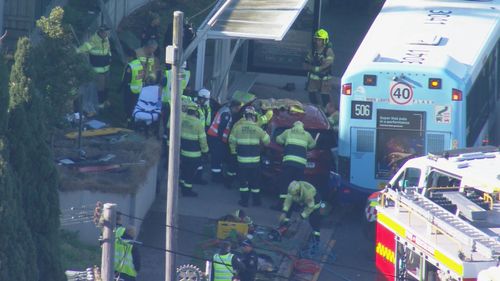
(426, 39)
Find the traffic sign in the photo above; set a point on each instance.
(401, 93)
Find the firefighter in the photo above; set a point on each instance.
(146, 55)
(296, 141)
(245, 141)
(205, 114)
(127, 259)
(318, 63)
(218, 134)
(304, 195)
(225, 264)
(132, 82)
(193, 145)
(99, 51)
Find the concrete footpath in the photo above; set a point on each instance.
(195, 215)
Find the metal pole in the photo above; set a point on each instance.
(173, 160)
(108, 242)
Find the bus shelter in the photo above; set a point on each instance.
(259, 26)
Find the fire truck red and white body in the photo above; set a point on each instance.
(439, 218)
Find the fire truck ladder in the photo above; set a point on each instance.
(450, 224)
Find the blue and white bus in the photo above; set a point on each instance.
(425, 79)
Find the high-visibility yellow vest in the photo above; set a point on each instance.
(223, 269)
(99, 53)
(137, 76)
(165, 96)
(123, 254)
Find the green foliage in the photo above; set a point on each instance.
(75, 255)
(51, 26)
(33, 166)
(58, 69)
(16, 245)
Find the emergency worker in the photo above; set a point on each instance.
(251, 261)
(297, 142)
(127, 259)
(225, 264)
(318, 62)
(146, 55)
(132, 83)
(218, 134)
(99, 51)
(245, 141)
(205, 113)
(304, 195)
(193, 144)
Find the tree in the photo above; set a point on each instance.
(16, 244)
(58, 69)
(32, 164)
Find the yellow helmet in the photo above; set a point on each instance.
(322, 34)
(294, 188)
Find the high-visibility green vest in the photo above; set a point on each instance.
(223, 269)
(296, 141)
(123, 254)
(245, 139)
(137, 76)
(165, 96)
(99, 53)
(193, 137)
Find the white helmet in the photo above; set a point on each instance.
(204, 93)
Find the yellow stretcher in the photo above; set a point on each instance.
(98, 132)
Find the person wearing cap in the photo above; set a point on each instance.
(225, 264)
(146, 55)
(245, 141)
(297, 142)
(318, 63)
(193, 145)
(99, 51)
(127, 262)
(132, 83)
(218, 134)
(250, 260)
(304, 195)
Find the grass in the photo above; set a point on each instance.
(76, 255)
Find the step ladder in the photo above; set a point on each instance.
(448, 223)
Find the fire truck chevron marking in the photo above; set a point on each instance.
(385, 252)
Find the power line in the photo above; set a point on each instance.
(265, 249)
(84, 219)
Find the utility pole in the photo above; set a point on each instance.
(175, 138)
(108, 242)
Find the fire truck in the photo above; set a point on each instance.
(438, 218)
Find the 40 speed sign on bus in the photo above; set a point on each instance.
(400, 93)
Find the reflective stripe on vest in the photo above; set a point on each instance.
(223, 269)
(165, 96)
(123, 254)
(214, 128)
(296, 151)
(137, 76)
(248, 151)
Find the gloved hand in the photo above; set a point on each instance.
(284, 221)
(282, 217)
(269, 114)
(303, 216)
